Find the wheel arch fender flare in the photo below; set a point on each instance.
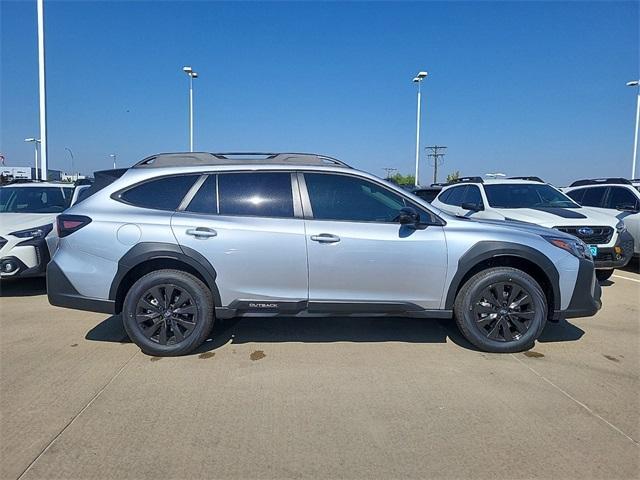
(149, 251)
(498, 253)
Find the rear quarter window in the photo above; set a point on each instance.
(161, 194)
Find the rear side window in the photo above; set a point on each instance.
(205, 201)
(263, 194)
(455, 197)
(593, 197)
(161, 194)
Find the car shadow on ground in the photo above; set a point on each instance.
(633, 266)
(331, 329)
(23, 287)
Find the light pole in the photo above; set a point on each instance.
(42, 89)
(35, 141)
(418, 79)
(189, 71)
(71, 154)
(635, 83)
(113, 155)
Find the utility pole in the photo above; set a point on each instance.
(390, 171)
(437, 154)
(43, 92)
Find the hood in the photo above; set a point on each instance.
(11, 222)
(555, 217)
(523, 227)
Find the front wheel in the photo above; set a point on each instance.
(168, 313)
(501, 310)
(603, 275)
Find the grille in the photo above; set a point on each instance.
(3, 242)
(599, 236)
(604, 257)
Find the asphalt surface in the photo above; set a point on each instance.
(318, 398)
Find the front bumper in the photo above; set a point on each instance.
(28, 258)
(585, 301)
(62, 293)
(617, 256)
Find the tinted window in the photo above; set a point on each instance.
(161, 194)
(526, 195)
(577, 195)
(620, 197)
(444, 195)
(472, 195)
(35, 199)
(456, 195)
(265, 194)
(427, 195)
(341, 197)
(593, 197)
(205, 201)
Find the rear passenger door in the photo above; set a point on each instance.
(248, 226)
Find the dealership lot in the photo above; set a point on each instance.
(318, 398)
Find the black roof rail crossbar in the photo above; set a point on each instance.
(235, 158)
(467, 180)
(531, 179)
(600, 181)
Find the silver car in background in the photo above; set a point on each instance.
(181, 239)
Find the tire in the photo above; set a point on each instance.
(603, 275)
(513, 327)
(189, 320)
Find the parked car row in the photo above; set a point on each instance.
(604, 213)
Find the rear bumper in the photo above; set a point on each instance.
(585, 301)
(617, 256)
(62, 293)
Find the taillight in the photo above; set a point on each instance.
(67, 224)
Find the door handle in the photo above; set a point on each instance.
(325, 238)
(202, 232)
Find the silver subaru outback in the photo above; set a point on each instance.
(181, 239)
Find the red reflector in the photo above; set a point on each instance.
(71, 223)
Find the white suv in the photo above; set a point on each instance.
(615, 196)
(529, 199)
(27, 214)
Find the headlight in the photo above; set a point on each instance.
(36, 232)
(575, 247)
(621, 227)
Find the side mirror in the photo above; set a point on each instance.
(474, 207)
(408, 216)
(626, 207)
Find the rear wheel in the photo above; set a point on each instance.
(603, 275)
(168, 313)
(501, 310)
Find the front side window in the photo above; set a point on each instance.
(526, 195)
(455, 196)
(161, 194)
(264, 194)
(621, 198)
(35, 199)
(343, 197)
(594, 197)
(473, 195)
(577, 195)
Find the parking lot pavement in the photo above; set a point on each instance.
(318, 398)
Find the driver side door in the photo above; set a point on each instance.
(361, 259)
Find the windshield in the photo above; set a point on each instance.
(527, 195)
(34, 199)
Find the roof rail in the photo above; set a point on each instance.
(190, 159)
(467, 180)
(600, 181)
(531, 179)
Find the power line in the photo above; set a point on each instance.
(438, 158)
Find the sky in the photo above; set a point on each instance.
(524, 88)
